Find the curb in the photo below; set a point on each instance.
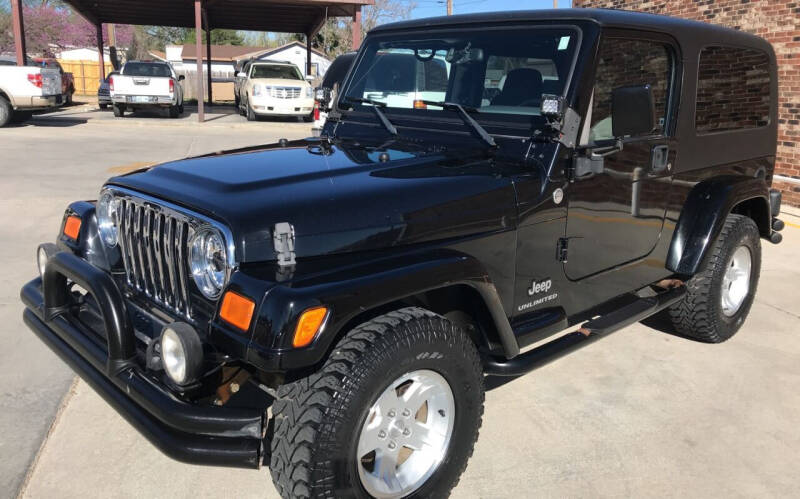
(59, 412)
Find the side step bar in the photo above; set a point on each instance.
(589, 333)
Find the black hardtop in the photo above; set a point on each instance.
(681, 29)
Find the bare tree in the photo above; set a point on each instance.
(385, 11)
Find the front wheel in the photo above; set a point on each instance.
(5, 112)
(251, 115)
(718, 299)
(394, 412)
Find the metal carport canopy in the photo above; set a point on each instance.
(284, 16)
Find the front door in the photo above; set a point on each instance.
(615, 216)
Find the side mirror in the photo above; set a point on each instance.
(241, 74)
(310, 78)
(181, 77)
(632, 111)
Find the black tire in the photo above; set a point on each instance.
(180, 108)
(119, 111)
(251, 115)
(700, 315)
(174, 111)
(5, 112)
(317, 419)
(308, 118)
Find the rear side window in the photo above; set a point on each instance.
(732, 89)
(337, 71)
(629, 62)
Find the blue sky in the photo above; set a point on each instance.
(430, 8)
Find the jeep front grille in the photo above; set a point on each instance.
(153, 241)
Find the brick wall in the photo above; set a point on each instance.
(776, 20)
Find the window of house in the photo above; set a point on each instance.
(630, 62)
(733, 90)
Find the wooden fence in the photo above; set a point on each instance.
(87, 75)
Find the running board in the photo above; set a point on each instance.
(589, 333)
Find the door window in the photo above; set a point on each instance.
(630, 62)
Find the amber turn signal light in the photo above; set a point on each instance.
(237, 310)
(308, 326)
(418, 104)
(72, 227)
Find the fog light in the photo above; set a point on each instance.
(181, 352)
(43, 253)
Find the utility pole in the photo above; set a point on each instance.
(555, 4)
(449, 7)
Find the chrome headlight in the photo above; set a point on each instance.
(108, 217)
(181, 352)
(208, 257)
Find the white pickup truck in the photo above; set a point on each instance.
(142, 85)
(24, 89)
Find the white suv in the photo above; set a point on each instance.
(273, 89)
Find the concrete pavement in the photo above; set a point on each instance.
(45, 165)
(639, 414)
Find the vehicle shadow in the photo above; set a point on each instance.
(50, 121)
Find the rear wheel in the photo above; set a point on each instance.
(718, 299)
(5, 111)
(119, 110)
(394, 412)
(174, 111)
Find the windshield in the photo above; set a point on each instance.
(494, 71)
(279, 72)
(145, 69)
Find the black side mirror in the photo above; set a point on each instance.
(181, 77)
(632, 111)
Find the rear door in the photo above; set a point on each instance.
(616, 216)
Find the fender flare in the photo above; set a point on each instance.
(703, 215)
(353, 290)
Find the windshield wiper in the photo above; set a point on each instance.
(464, 112)
(378, 112)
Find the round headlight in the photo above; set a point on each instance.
(107, 217)
(43, 253)
(181, 352)
(208, 257)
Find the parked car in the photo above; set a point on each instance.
(273, 88)
(25, 89)
(146, 85)
(334, 303)
(67, 79)
(326, 92)
(104, 92)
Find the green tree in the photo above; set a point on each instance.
(218, 37)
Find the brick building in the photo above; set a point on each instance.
(776, 20)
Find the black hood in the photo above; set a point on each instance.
(339, 198)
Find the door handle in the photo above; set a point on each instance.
(659, 158)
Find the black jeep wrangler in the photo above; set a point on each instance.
(330, 306)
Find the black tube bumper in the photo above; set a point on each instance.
(198, 434)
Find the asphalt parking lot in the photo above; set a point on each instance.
(641, 413)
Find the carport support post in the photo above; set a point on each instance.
(208, 55)
(19, 31)
(198, 40)
(100, 60)
(308, 54)
(356, 28)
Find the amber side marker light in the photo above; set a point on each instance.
(418, 104)
(72, 227)
(308, 326)
(237, 310)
